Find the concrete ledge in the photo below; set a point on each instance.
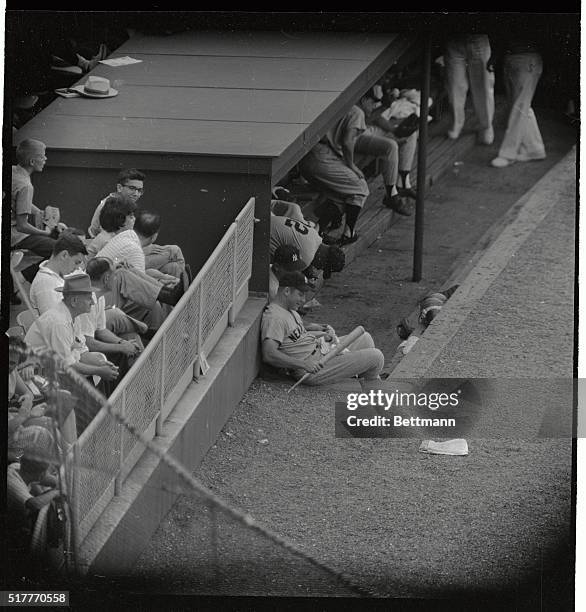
(522, 220)
(151, 488)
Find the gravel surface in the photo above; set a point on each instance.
(394, 520)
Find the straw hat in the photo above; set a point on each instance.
(95, 87)
(77, 283)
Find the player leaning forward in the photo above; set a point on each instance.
(289, 345)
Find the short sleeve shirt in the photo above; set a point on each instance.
(21, 202)
(42, 292)
(54, 330)
(286, 328)
(354, 119)
(99, 242)
(95, 228)
(94, 320)
(125, 247)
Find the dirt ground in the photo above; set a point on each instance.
(398, 522)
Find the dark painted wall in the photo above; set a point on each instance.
(196, 208)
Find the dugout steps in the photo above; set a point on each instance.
(442, 152)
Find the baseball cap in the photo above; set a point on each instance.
(287, 256)
(296, 280)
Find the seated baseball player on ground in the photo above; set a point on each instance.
(295, 349)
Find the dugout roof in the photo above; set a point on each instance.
(241, 101)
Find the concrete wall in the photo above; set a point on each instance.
(125, 528)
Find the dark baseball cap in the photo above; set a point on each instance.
(287, 256)
(296, 280)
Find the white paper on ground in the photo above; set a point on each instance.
(458, 446)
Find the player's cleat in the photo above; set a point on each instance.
(344, 240)
(407, 192)
(397, 204)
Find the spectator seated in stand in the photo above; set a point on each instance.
(31, 485)
(68, 255)
(119, 242)
(97, 327)
(296, 349)
(20, 397)
(55, 330)
(30, 158)
(24, 408)
(130, 184)
(166, 258)
(134, 293)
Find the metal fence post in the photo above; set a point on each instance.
(118, 479)
(231, 312)
(160, 419)
(421, 164)
(196, 365)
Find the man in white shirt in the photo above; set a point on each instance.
(55, 330)
(118, 240)
(69, 255)
(120, 243)
(167, 258)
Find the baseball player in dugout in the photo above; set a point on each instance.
(314, 352)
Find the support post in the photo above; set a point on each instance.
(421, 163)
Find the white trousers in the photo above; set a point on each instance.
(465, 61)
(522, 72)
